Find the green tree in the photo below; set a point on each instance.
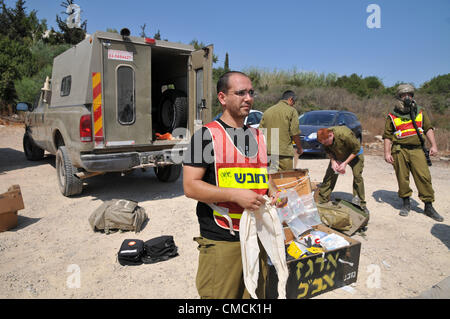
(226, 64)
(353, 83)
(437, 85)
(67, 34)
(28, 87)
(157, 35)
(439, 90)
(373, 83)
(16, 61)
(17, 25)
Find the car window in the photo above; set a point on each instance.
(341, 119)
(318, 119)
(66, 83)
(350, 119)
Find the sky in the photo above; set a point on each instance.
(409, 40)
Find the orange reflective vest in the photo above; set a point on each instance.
(235, 170)
(404, 127)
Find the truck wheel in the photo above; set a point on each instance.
(68, 183)
(168, 173)
(173, 110)
(31, 150)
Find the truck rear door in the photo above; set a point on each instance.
(200, 88)
(126, 94)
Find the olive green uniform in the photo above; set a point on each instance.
(283, 117)
(409, 157)
(344, 144)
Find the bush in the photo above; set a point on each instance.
(437, 85)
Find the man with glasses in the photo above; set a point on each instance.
(225, 169)
(402, 149)
(282, 127)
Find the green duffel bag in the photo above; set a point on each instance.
(335, 216)
(343, 216)
(118, 214)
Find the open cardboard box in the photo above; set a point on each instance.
(10, 202)
(316, 274)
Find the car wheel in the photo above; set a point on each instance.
(31, 150)
(168, 173)
(173, 110)
(69, 184)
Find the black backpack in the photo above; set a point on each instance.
(159, 249)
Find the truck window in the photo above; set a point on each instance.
(125, 95)
(66, 83)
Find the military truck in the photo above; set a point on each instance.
(115, 103)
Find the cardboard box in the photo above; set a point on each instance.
(296, 178)
(10, 203)
(319, 273)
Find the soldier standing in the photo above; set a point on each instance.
(284, 118)
(402, 149)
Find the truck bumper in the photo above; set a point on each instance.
(119, 162)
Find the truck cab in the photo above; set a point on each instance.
(115, 103)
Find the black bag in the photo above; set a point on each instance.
(159, 249)
(131, 252)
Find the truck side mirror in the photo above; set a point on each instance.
(22, 106)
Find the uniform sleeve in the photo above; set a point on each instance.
(353, 142)
(426, 122)
(261, 124)
(294, 128)
(388, 129)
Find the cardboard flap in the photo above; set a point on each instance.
(12, 200)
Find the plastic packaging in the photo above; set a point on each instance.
(303, 206)
(311, 215)
(297, 227)
(290, 212)
(333, 241)
(295, 203)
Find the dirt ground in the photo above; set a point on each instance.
(53, 252)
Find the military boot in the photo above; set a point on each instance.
(431, 212)
(404, 211)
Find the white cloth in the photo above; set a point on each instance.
(265, 224)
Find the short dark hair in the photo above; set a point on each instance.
(222, 83)
(289, 94)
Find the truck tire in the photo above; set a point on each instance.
(31, 150)
(173, 110)
(69, 184)
(168, 173)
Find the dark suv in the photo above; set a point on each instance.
(311, 122)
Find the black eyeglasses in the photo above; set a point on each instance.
(243, 93)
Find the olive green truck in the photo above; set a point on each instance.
(110, 103)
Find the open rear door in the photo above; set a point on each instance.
(200, 88)
(127, 93)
